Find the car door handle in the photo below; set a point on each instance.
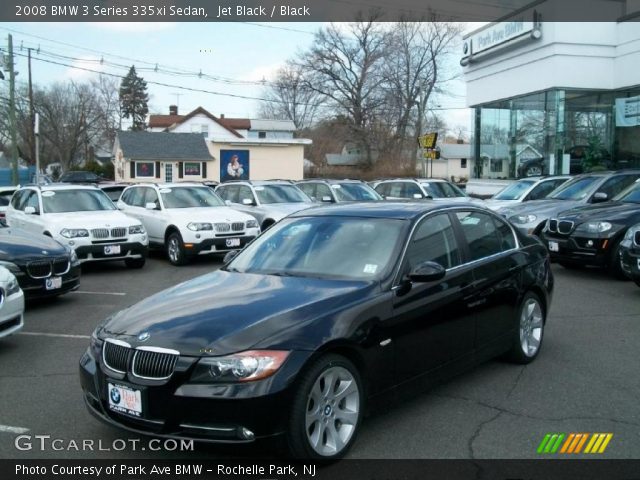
(477, 303)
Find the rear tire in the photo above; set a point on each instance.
(529, 331)
(175, 249)
(135, 262)
(326, 411)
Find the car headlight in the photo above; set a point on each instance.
(523, 219)
(252, 223)
(240, 367)
(74, 232)
(594, 227)
(628, 237)
(12, 287)
(197, 226)
(136, 230)
(12, 267)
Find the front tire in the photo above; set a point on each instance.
(615, 269)
(530, 330)
(175, 249)
(533, 171)
(327, 410)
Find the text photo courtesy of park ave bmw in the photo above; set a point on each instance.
(294, 239)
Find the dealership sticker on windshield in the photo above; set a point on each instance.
(259, 189)
(336, 186)
(48, 193)
(370, 268)
(165, 190)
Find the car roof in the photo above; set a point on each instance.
(65, 186)
(383, 209)
(330, 180)
(417, 180)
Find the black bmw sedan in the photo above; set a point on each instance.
(593, 234)
(42, 266)
(323, 315)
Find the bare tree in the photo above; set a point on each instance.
(288, 97)
(109, 117)
(344, 67)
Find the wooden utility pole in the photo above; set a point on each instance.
(32, 116)
(12, 114)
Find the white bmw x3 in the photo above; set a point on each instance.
(11, 304)
(81, 217)
(187, 219)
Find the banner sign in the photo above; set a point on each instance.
(628, 112)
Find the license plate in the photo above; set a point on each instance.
(53, 283)
(233, 242)
(112, 249)
(554, 247)
(125, 400)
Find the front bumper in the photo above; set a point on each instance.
(96, 252)
(11, 314)
(578, 249)
(217, 245)
(37, 287)
(215, 413)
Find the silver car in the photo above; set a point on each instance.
(532, 188)
(267, 201)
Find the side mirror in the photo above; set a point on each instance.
(327, 198)
(230, 256)
(417, 196)
(150, 206)
(120, 205)
(600, 197)
(30, 211)
(247, 201)
(427, 272)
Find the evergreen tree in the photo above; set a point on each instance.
(133, 99)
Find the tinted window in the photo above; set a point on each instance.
(433, 240)
(615, 185)
(507, 239)
(481, 234)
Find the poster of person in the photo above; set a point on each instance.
(234, 165)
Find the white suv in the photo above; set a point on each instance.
(81, 217)
(187, 219)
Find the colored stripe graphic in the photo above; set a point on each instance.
(573, 443)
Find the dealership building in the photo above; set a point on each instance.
(570, 91)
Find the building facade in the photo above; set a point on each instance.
(554, 97)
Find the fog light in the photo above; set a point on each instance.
(71, 242)
(589, 243)
(247, 434)
(197, 235)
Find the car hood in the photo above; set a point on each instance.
(608, 211)
(230, 312)
(541, 208)
(280, 210)
(207, 214)
(497, 204)
(89, 220)
(16, 245)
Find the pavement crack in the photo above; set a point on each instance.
(517, 381)
(477, 432)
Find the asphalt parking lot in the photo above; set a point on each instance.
(585, 379)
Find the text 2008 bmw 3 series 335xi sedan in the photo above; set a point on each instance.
(324, 313)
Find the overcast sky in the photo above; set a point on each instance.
(233, 58)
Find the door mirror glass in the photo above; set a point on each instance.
(150, 206)
(30, 210)
(427, 272)
(230, 256)
(247, 201)
(600, 197)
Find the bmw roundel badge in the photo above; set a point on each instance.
(144, 336)
(115, 395)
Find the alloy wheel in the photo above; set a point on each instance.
(531, 325)
(173, 249)
(333, 410)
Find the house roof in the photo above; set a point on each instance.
(273, 125)
(236, 123)
(164, 121)
(163, 146)
(168, 121)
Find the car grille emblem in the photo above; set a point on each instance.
(44, 252)
(144, 336)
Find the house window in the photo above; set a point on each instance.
(496, 166)
(463, 163)
(192, 169)
(204, 129)
(262, 134)
(145, 169)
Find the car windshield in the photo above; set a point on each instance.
(348, 248)
(280, 194)
(442, 190)
(515, 191)
(575, 189)
(190, 197)
(354, 192)
(630, 195)
(61, 201)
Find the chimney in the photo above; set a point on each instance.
(173, 110)
(222, 115)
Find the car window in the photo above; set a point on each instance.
(411, 189)
(383, 189)
(613, 186)
(186, 197)
(481, 234)
(575, 189)
(308, 188)
(113, 193)
(136, 197)
(16, 200)
(151, 196)
(507, 238)
(355, 192)
(224, 193)
(5, 197)
(280, 193)
(514, 191)
(322, 191)
(32, 201)
(433, 241)
(244, 192)
(442, 190)
(541, 190)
